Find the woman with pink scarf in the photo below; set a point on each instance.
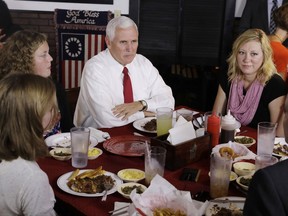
(252, 89)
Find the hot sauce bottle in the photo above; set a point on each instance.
(213, 127)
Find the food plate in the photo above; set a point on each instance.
(131, 185)
(280, 147)
(64, 140)
(234, 205)
(243, 139)
(196, 124)
(131, 175)
(62, 184)
(138, 124)
(244, 186)
(63, 153)
(128, 145)
(94, 153)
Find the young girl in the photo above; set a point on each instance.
(27, 107)
(28, 52)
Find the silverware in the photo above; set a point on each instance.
(227, 201)
(107, 187)
(241, 132)
(199, 124)
(119, 209)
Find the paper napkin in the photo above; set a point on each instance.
(162, 194)
(181, 132)
(100, 135)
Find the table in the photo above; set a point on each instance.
(68, 204)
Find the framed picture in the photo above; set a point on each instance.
(77, 1)
(51, 5)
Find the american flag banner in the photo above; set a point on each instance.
(80, 36)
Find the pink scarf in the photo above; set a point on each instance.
(243, 107)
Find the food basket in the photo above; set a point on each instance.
(241, 150)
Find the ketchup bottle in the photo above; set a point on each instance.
(213, 127)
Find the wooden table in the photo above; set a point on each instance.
(68, 204)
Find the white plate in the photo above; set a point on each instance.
(282, 142)
(62, 184)
(64, 140)
(214, 207)
(138, 124)
(195, 123)
(248, 144)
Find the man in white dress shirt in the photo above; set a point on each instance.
(101, 101)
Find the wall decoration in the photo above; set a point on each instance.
(51, 5)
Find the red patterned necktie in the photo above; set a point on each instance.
(127, 87)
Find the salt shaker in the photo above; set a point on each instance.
(213, 127)
(228, 127)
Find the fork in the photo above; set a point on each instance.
(107, 187)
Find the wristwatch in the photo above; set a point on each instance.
(144, 104)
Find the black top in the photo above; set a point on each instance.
(273, 89)
(267, 195)
(66, 121)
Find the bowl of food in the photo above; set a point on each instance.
(244, 181)
(131, 175)
(245, 140)
(126, 189)
(94, 153)
(61, 154)
(243, 168)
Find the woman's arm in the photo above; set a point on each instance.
(220, 101)
(276, 108)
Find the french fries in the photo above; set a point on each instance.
(73, 175)
(86, 174)
(167, 212)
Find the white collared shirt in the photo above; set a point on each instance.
(102, 89)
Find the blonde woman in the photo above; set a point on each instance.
(27, 105)
(253, 91)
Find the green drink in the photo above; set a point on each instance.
(164, 120)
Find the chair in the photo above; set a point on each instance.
(72, 97)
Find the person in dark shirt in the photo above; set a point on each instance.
(7, 27)
(252, 90)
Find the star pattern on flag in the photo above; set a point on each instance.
(73, 47)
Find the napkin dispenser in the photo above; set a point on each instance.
(184, 153)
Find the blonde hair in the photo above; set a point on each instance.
(24, 100)
(267, 69)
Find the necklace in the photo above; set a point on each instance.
(279, 38)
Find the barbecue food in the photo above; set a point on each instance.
(90, 185)
(150, 125)
(280, 149)
(90, 181)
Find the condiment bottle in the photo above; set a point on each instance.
(228, 127)
(213, 127)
